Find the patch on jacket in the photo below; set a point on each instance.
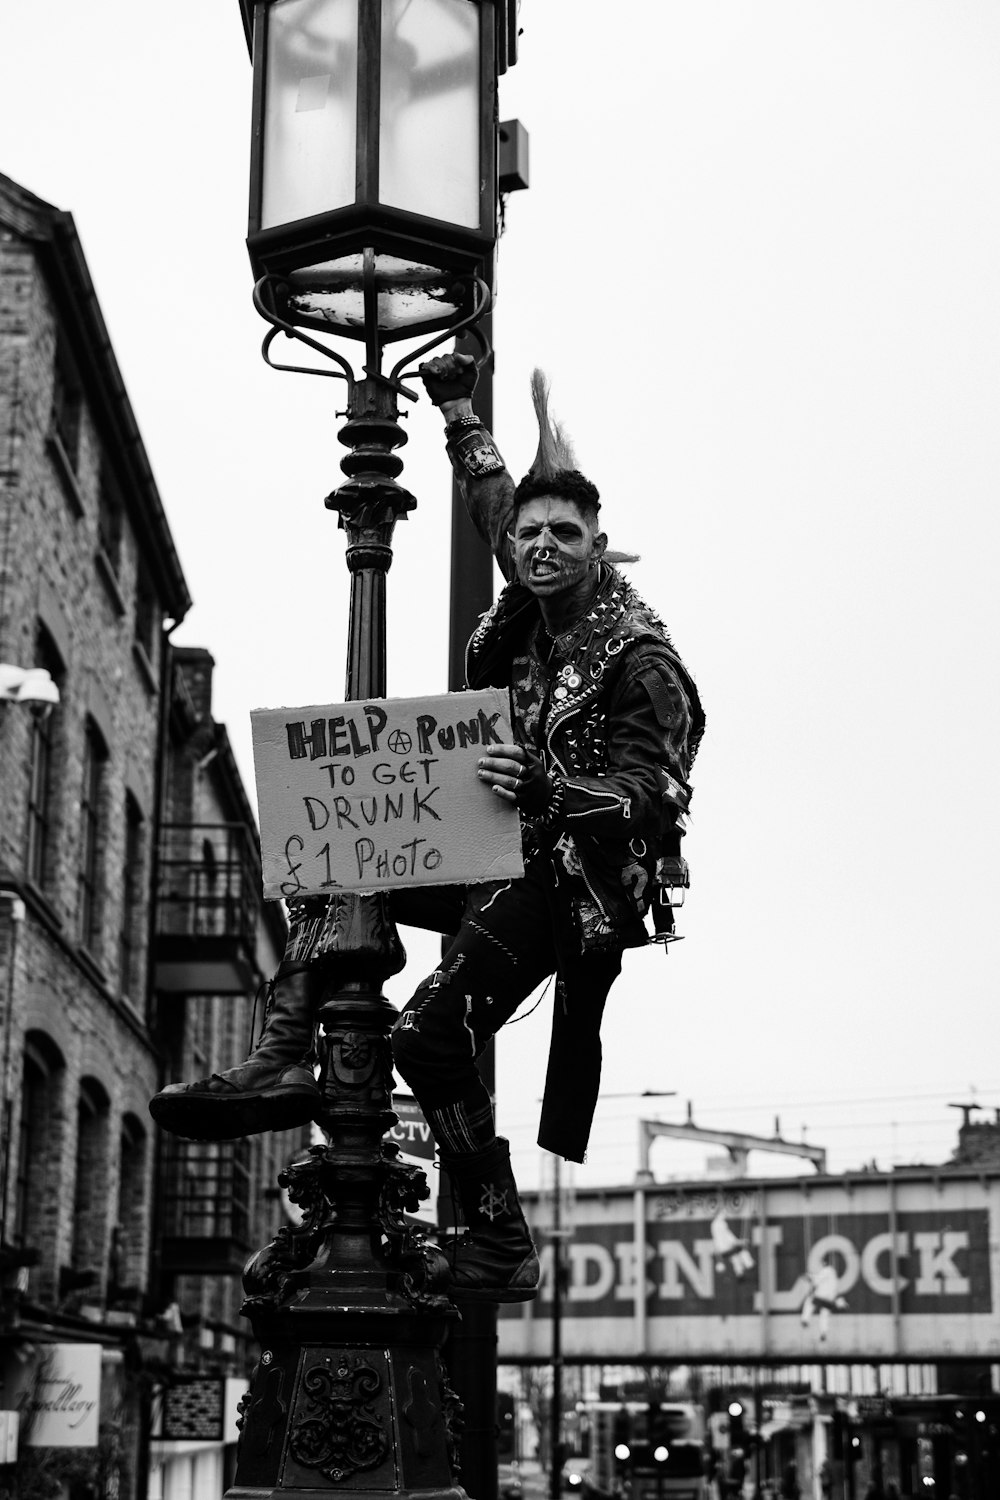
(593, 928)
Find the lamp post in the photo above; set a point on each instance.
(373, 218)
(31, 686)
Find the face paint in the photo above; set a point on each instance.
(555, 545)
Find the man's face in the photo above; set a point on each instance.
(555, 545)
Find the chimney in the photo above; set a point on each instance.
(195, 666)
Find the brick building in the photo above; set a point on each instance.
(132, 934)
(214, 943)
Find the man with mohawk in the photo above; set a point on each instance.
(606, 722)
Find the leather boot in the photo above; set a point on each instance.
(275, 1089)
(495, 1260)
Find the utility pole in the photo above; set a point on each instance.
(558, 1278)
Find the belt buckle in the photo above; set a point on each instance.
(673, 879)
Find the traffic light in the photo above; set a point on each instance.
(505, 1427)
(621, 1445)
(737, 1431)
(658, 1433)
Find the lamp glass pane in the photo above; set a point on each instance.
(429, 109)
(407, 294)
(310, 109)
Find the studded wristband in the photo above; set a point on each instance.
(553, 813)
(458, 424)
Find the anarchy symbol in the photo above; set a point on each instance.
(399, 742)
(492, 1203)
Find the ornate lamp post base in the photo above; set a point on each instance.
(349, 1399)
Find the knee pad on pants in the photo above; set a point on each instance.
(434, 1041)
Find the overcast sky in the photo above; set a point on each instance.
(759, 261)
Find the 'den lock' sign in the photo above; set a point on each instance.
(382, 793)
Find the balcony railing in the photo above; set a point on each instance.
(207, 907)
(209, 880)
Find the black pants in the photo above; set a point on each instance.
(508, 940)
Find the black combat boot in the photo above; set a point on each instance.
(275, 1089)
(495, 1260)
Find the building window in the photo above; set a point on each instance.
(90, 1197)
(125, 1261)
(95, 760)
(207, 1190)
(41, 782)
(41, 1082)
(66, 406)
(133, 906)
(146, 614)
(110, 521)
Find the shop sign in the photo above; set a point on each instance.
(193, 1409)
(412, 1135)
(57, 1395)
(873, 1407)
(9, 1422)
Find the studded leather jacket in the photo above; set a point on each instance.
(611, 708)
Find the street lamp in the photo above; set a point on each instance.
(372, 217)
(372, 192)
(32, 686)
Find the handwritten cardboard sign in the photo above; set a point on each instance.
(383, 793)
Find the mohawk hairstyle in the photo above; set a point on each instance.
(553, 470)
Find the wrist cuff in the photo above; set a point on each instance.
(459, 424)
(473, 449)
(553, 813)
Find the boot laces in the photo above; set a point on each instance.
(265, 990)
(264, 1000)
